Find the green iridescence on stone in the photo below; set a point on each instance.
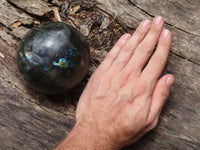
(53, 57)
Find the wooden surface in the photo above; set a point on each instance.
(31, 120)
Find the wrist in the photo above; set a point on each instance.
(91, 137)
(85, 137)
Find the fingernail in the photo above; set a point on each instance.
(165, 33)
(126, 36)
(170, 81)
(158, 20)
(145, 23)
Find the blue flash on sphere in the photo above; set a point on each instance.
(62, 63)
(53, 57)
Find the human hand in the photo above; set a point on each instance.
(124, 97)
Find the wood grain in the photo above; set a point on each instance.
(10, 15)
(182, 14)
(36, 7)
(183, 44)
(25, 123)
(31, 120)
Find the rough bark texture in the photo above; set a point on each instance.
(10, 15)
(31, 120)
(36, 7)
(24, 122)
(27, 121)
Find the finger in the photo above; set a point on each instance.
(152, 125)
(160, 95)
(127, 51)
(114, 52)
(157, 62)
(146, 47)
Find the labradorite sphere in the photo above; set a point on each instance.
(53, 57)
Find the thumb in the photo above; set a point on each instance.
(160, 95)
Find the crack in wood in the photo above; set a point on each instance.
(42, 128)
(177, 29)
(41, 18)
(185, 58)
(103, 11)
(29, 99)
(149, 14)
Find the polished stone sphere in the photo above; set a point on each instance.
(53, 57)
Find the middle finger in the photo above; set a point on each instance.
(146, 47)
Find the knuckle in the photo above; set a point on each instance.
(146, 48)
(120, 44)
(164, 95)
(95, 77)
(125, 75)
(143, 85)
(140, 32)
(127, 48)
(155, 30)
(153, 124)
(164, 43)
(158, 59)
(141, 89)
(110, 56)
(123, 61)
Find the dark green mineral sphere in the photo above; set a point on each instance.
(53, 57)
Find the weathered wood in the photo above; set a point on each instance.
(182, 14)
(7, 38)
(27, 121)
(179, 123)
(31, 120)
(24, 123)
(10, 15)
(36, 7)
(184, 44)
(20, 32)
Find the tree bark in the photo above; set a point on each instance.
(31, 120)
